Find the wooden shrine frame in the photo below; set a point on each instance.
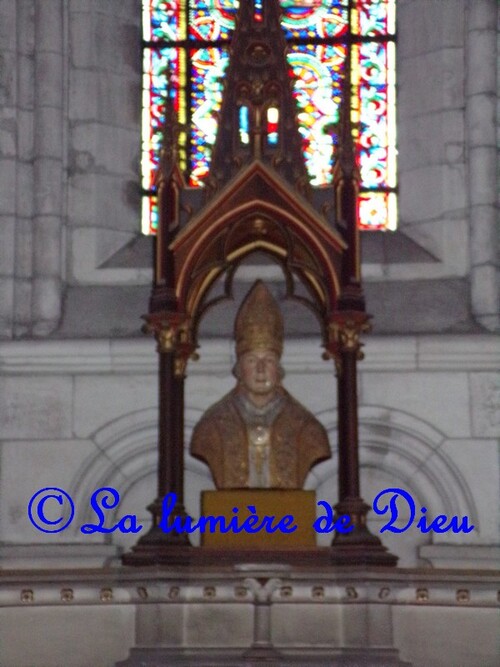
(257, 199)
(236, 223)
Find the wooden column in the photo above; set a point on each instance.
(346, 324)
(348, 426)
(171, 441)
(359, 546)
(160, 546)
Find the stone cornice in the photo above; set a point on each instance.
(323, 585)
(382, 354)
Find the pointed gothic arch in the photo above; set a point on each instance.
(238, 222)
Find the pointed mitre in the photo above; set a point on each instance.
(259, 323)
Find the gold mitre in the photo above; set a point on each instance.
(259, 324)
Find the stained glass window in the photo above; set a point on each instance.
(186, 53)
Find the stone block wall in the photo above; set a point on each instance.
(83, 415)
(69, 150)
(322, 618)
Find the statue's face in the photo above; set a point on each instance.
(259, 374)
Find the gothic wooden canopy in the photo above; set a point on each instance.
(257, 198)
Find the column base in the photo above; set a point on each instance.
(359, 547)
(158, 547)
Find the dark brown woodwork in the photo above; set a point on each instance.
(358, 547)
(171, 438)
(157, 544)
(348, 427)
(168, 326)
(346, 327)
(257, 211)
(258, 78)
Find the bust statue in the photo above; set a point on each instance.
(258, 435)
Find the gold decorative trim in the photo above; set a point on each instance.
(351, 592)
(180, 365)
(321, 241)
(166, 339)
(463, 596)
(343, 335)
(106, 595)
(256, 245)
(422, 595)
(67, 595)
(346, 335)
(174, 336)
(27, 595)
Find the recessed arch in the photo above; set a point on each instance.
(409, 450)
(126, 453)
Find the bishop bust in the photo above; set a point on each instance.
(258, 435)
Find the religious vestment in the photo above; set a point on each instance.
(249, 447)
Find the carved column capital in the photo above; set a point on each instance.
(344, 332)
(173, 333)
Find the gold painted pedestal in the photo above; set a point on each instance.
(267, 502)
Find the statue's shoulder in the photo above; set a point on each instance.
(296, 412)
(223, 409)
(293, 406)
(311, 433)
(208, 433)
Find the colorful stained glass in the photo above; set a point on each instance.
(212, 20)
(369, 78)
(370, 18)
(309, 20)
(244, 125)
(157, 87)
(273, 116)
(185, 56)
(318, 72)
(162, 21)
(207, 71)
(257, 10)
(377, 210)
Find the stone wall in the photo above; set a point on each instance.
(83, 415)
(70, 78)
(69, 151)
(325, 618)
